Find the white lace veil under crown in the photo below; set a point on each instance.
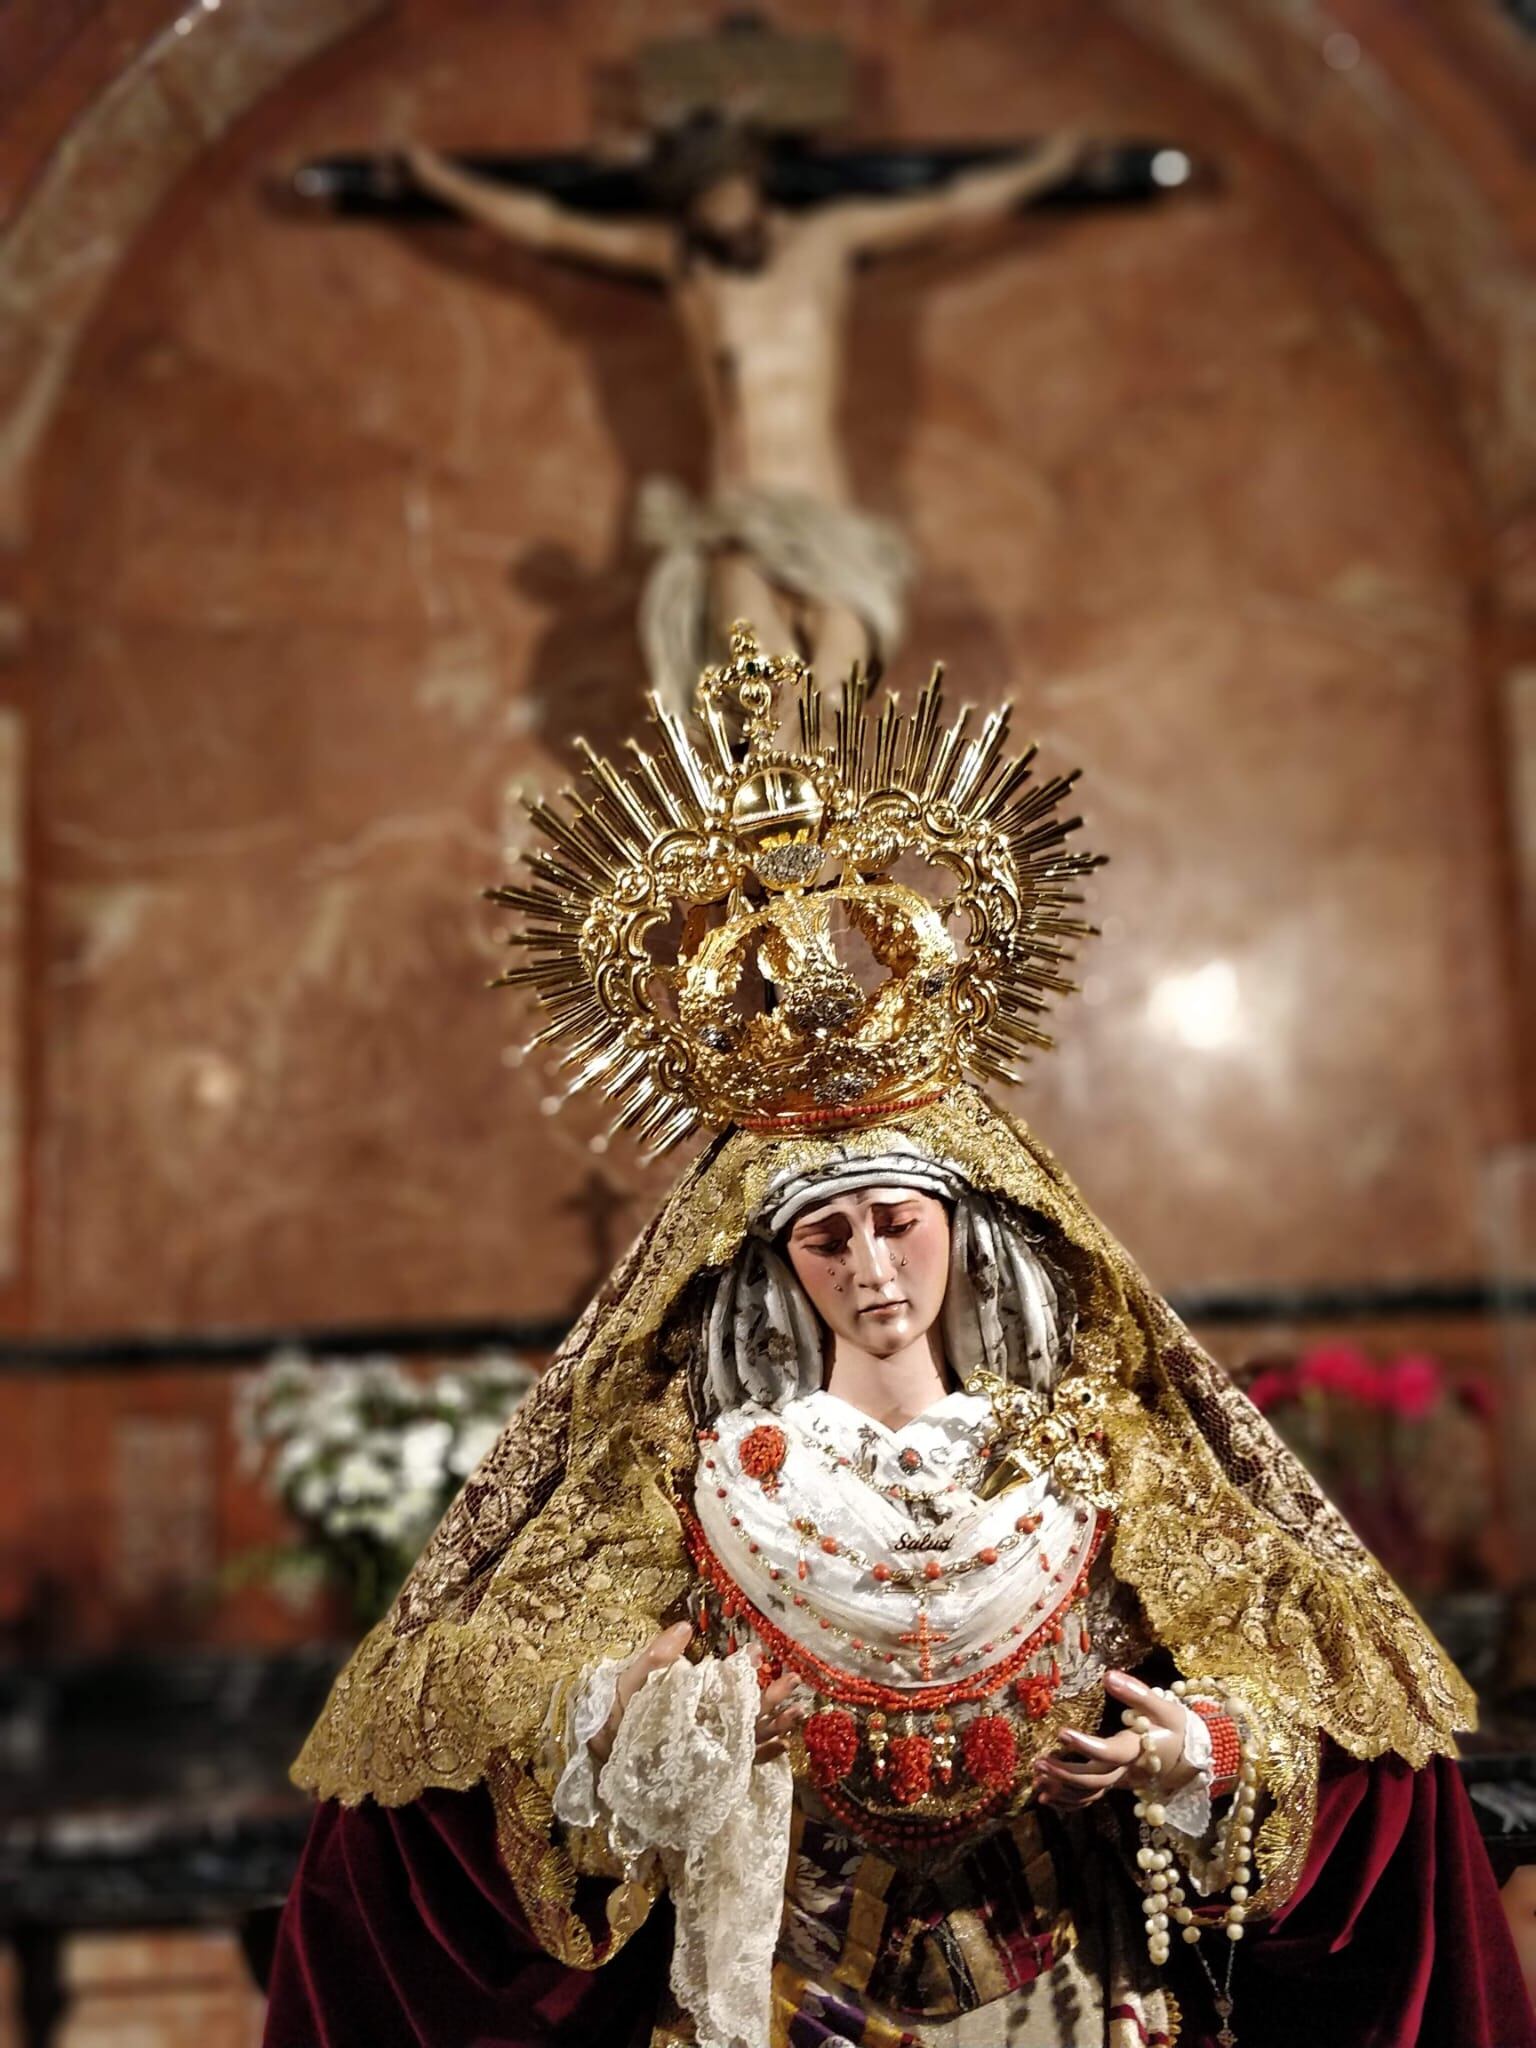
(1003, 1310)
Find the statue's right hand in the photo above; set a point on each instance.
(780, 1712)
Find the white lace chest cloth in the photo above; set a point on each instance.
(940, 1621)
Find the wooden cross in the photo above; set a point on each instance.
(925, 1637)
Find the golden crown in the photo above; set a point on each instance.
(698, 917)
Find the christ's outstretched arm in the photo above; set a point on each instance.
(643, 248)
(974, 200)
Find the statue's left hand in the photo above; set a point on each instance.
(1095, 1764)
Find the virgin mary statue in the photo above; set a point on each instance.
(883, 1624)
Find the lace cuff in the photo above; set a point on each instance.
(576, 1799)
(1188, 1811)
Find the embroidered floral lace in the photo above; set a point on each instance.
(681, 1785)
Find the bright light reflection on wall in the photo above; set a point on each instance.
(1202, 1008)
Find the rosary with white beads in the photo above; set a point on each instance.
(1225, 1869)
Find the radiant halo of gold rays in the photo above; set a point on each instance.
(763, 856)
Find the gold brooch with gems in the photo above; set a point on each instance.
(1062, 1433)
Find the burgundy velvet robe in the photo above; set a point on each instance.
(402, 1931)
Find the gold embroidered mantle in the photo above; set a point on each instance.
(565, 1546)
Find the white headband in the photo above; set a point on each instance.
(792, 1194)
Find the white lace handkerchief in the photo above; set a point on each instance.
(681, 1780)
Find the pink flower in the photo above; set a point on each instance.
(1269, 1388)
(1344, 1370)
(1411, 1385)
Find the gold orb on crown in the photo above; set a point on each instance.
(777, 816)
(770, 867)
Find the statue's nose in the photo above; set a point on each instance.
(873, 1265)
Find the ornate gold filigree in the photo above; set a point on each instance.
(1061, 1432)
(545, 1872)
(759, 859)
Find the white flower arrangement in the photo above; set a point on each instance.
(366, 1459)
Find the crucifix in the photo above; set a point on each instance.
(925, 1637)
(757, 238)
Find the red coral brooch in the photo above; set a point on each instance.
(990, 1750)
(762, 1454)
(831, 1743)
(911, 1768)
(1036, 1696)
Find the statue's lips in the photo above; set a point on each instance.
(880, 1308)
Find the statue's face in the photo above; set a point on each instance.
(726, 217)
(875, 1264)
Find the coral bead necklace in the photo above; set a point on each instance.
(937, 1620)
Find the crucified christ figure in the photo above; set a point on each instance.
(762, 295)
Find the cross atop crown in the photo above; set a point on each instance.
(755, 680)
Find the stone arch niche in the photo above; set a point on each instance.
(319, 545)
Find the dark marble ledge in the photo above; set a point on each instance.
(1363, 1301)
